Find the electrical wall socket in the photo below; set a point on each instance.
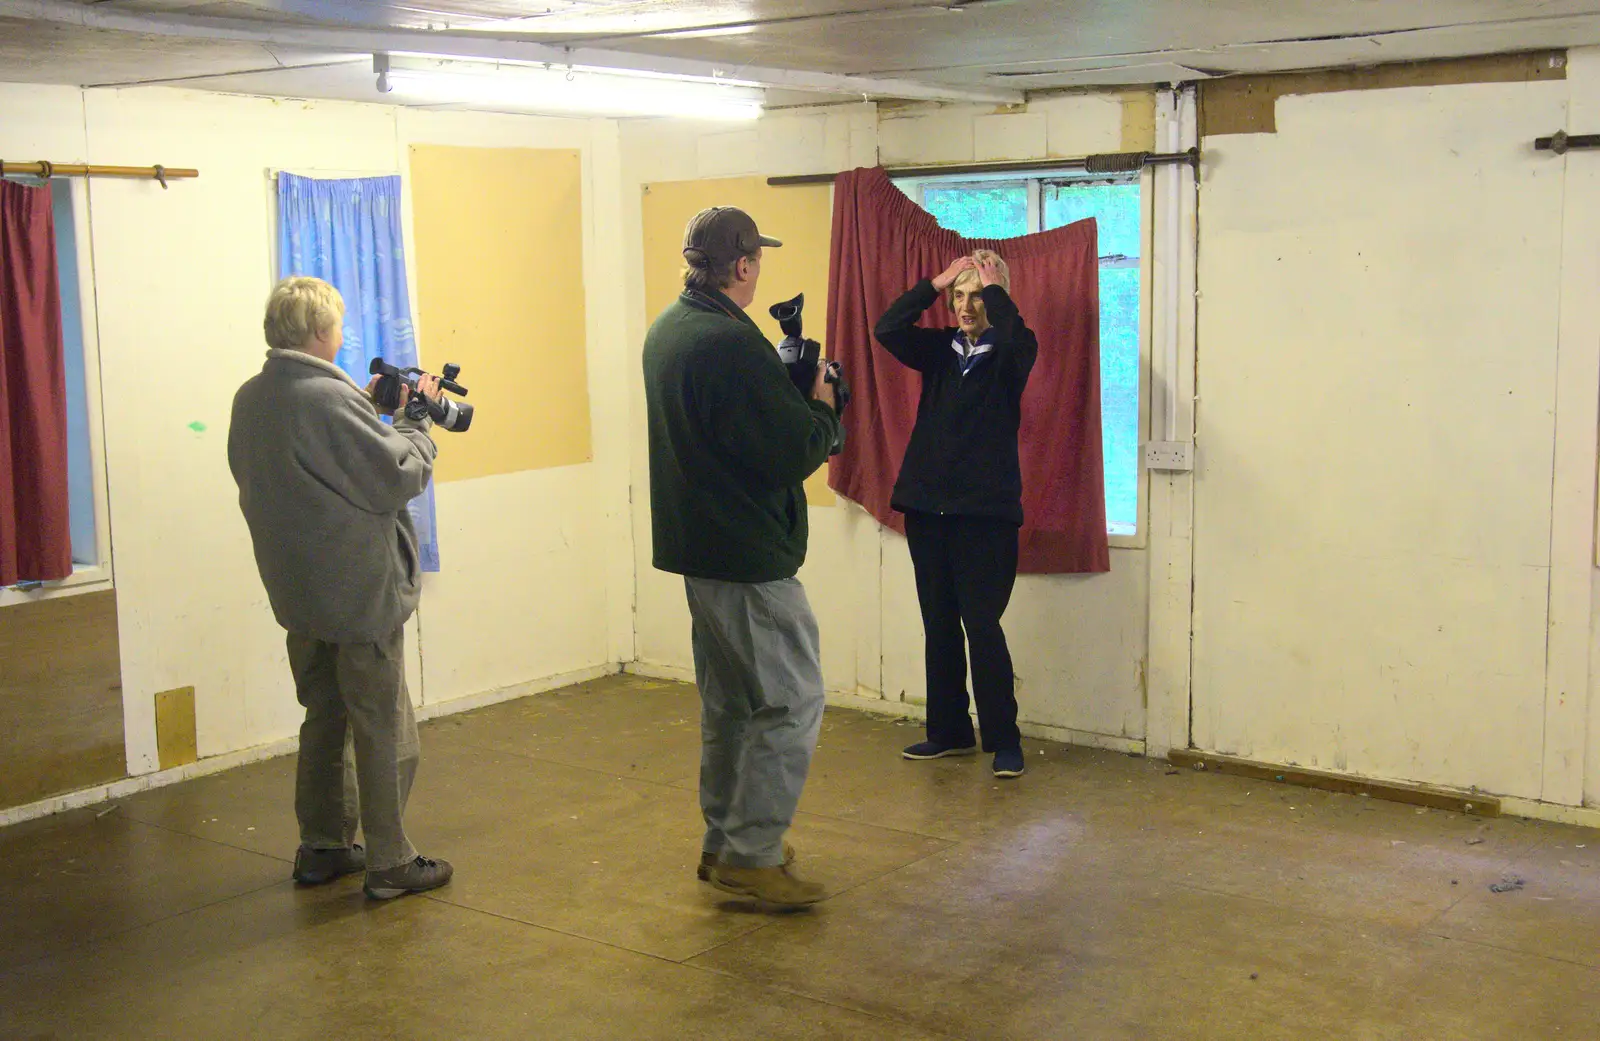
(1170, 456)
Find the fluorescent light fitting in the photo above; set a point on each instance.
(563, 91)
(706, 34)
(419, 61)
(718, 76)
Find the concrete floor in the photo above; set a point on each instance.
(1101, 896)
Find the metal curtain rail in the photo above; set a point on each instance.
(48, 170)
(1115, 162)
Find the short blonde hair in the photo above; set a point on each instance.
(300, 308)
(972, 275)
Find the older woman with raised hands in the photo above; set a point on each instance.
(960, 488)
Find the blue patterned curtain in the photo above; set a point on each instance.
(347, 232)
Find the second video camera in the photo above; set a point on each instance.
(802, 356)
(451, 415)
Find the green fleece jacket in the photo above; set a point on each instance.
(324, 484)
(731, 441)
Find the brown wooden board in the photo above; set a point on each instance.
(176, 743)
(60, 697)
(1249, 104)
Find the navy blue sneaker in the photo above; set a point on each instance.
(1009, 763)
(934, 750)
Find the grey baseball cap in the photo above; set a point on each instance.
(723, 234)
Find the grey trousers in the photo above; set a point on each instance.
(358, 746)
(760, 677)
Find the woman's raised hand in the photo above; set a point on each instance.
(988, 265)
(953, 272)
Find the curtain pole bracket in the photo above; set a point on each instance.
(1562, 142)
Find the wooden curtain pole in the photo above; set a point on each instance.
(47, 170)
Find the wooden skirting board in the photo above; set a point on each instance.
(1412, 794)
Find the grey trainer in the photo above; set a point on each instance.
(418, 876)
(313, 867)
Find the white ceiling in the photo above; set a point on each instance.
(809, 50)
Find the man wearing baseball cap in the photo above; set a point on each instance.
(731, 441)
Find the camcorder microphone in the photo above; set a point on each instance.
(802, 356)
(455, 416)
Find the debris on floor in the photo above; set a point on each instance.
(1474, 842)
(1510, 883)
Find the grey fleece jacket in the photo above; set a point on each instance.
(324, 483)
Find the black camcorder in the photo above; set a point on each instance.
(802, 356)
(451, 415)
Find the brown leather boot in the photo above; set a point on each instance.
(709, 861)
(770, 885)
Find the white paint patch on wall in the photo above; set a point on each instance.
(1070, 125)
(524, 593)
(1377, 362)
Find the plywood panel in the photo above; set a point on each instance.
(801, 217)
(499, 258)
(175, 728)
(60, 697)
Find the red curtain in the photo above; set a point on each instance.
(882, 244)
(35, 505)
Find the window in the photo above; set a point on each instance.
(87, 521)
(1000, 207)
(80, 454)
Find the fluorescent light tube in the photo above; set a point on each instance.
(581, 92)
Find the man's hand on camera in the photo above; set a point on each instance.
(429, 385)
(822, 390)
(953, 272)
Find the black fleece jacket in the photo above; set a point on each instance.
(731, 441)
(962, 459)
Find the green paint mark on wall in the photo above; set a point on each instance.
(198, 427)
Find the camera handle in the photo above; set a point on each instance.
(447, 379)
